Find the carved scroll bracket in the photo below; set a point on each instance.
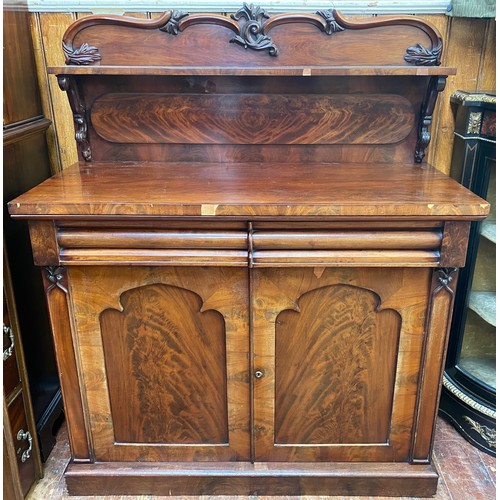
(68, 84)
(436, 85)
(56, 277)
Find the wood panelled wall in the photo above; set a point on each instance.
(469, 46)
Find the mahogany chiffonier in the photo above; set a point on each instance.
(251, 272)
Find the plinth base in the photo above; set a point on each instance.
(241, 478)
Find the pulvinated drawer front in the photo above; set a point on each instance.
(346, 247)
(419, 246)
(153, 246)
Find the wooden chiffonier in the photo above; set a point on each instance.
(251, 272)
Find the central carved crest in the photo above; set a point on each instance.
(251, 33)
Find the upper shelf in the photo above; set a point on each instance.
(261, 71)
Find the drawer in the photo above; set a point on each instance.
(255, 243)
(346, 246)
(22, 442)
(146, 246)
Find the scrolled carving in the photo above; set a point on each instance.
(172, 26)
(83, 55)
(251, 32)
(332, 26)
(421, 56)
(56, 277)
(424, 138)
(436, 85)
(67, 84)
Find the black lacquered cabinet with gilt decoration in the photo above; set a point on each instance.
(468, 399)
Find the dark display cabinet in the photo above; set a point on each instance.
(22, 466)
(25, 164)
(468, 398)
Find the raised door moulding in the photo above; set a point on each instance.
(252, 25)
(304, 398)
(166, 324)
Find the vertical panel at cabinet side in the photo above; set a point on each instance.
(442, 296)
(56, 289)
(165, 359)
(339, 350)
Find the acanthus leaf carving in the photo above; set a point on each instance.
(332, 26)
(83, 55)
(67, 84)
(421, 56)
(252, 27)
(172, 25)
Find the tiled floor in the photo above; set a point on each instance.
(465, 472)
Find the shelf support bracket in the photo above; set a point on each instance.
(436, 85)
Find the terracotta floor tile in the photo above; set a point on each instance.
(465, 474)
(491, 465)
(463, 471)
(446, 432)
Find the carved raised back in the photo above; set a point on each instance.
(306, 40)
(252, 88)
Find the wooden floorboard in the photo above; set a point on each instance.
(465, 473)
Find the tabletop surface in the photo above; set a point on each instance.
(250, 189)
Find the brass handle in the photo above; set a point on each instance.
(259, 374)
(25, 436)
(7, 353)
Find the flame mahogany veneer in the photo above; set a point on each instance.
(250, 274)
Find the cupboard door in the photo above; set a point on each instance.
(336, 365)
(164, 361)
